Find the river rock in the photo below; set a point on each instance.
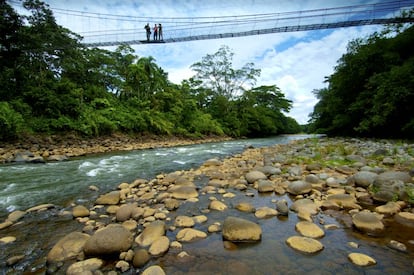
(397, 246)
(5, 224)
(304, 244)
(364, 178)
(245, 207)
(122, 265)
(299, 187)
(212, 162)
(255, 175)
(312, 179)
(14, 259)
(184, 192)
(190, 234)
(309, 229)
(111, 239)
(40, 207)
(153, 270)
(152, 232)
(15, 216)
(111, 198)
(282, 207)
(85, 267)
(345, 201)
(405, 218)
(171, 204)
(184, 221)
(159, 246)
(368, 222)
(270, 170)
(80, 211)
(390, 208)
(217, 205)
(241, 230)
(264, 186)
(305, 208)
(265, 212)
(390, 185)
(361, 259)
(69, 247)
(125, 212)
(141, 257)
(7, 239)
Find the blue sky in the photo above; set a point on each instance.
(296, 62)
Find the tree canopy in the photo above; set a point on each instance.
(371, 92)
(50, 83)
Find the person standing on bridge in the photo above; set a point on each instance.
(148, 29)
(160, 37)
(155, 32)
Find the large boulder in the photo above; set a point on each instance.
(241, 230)
(69, 247)
(111, 239)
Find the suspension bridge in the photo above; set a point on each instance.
(181, 29)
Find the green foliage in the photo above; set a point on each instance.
(371, 92)
(51, 84)
(11, 122)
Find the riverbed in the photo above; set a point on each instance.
(39, 231)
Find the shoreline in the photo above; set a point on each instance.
(37, 149)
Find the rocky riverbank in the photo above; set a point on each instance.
(40, 149)
(361, 186)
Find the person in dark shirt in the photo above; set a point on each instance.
(160, 37)
(148, 29)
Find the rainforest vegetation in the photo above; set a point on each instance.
(371, 92)
(50, 83)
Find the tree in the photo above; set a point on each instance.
(371, 91)
(216, 72)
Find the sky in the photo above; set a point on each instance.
(297, 62)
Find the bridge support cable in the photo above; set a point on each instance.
(296, 28)
(130, 29)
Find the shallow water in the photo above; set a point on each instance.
(23, 186)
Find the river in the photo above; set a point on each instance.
(26, 185)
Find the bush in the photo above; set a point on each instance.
(11, 122)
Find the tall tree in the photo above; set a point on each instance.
(216, 72)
